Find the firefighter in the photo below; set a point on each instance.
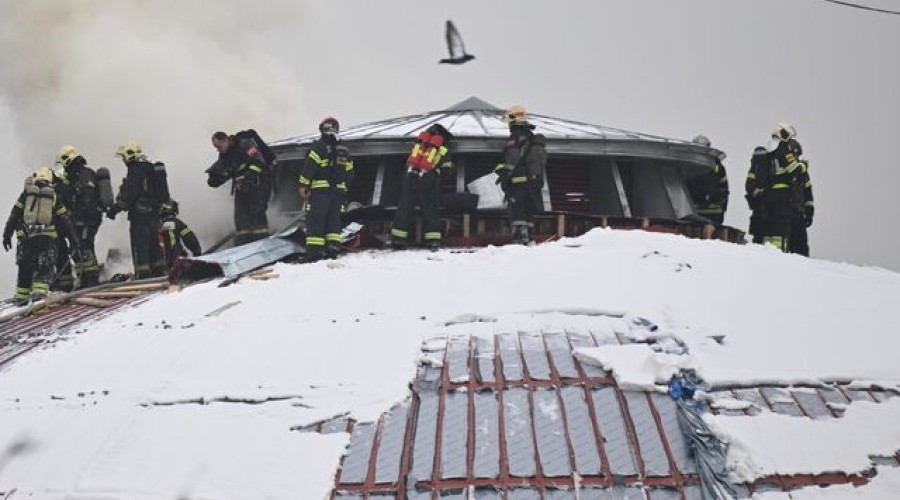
(709, 190)
(781, 194)
(757, 176)
(142, 194)
(175, 234)
(81, 195)
(521, 172)
(804, 207)
(242, 160)
(323, 186)
(422, 186)
(64, 280)
(36, 218)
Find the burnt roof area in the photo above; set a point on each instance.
(516, 415)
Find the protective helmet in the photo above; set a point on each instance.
(515, 114)
(330, 126)
(66, 155)
(129, 151)
(169, 208)
(701, 140)
(784, 132)
(43, 174)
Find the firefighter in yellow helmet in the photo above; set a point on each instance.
(37, 218)
(521, 173)
(786, 194)
(80, 188)
(142, 194)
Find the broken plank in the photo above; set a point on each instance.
(114, 294)
(141, 287)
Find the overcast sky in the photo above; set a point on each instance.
(729, 69)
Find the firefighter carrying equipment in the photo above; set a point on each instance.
(40, 200)
(429, 150)
(65, 155)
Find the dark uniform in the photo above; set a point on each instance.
(37, 243)
(758, 178)
(521, 176)
(325, 174)
(709, 192)
(251, 186)
(781, 198)
(422, 187)
(81, 196)
(141, 196)
(804, 209)
(176, 235)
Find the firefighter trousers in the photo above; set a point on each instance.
(146, 252)
(525, 201)
(424, 191)
(323, 222)
(86, 266)
(36, 256)
(65, 280)
(799, 241)
(251, 200)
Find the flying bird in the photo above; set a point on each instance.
(455, 47)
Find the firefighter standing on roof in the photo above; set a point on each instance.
(241, 159)
(323, 184)
(36, 218)
(81, 193)
(709, 190)
(422, 186)
(521, 173)
(145, 189)
(781, 193)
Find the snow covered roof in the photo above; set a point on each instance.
(201, 393)
(474, 117)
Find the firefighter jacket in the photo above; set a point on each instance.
(325, 167)
(429, 153)
(243, 160)
(145, 188)
(523, 156)
(709, 191)
(80, 193)
(16, 222)
(176, 236)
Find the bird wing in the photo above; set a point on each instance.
(454, 42)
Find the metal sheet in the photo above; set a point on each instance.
(561, 354)
(240, 259)
(859, 395)
(356, 465)
(781, 401)
(413, 494)
(664, 494)
(535, 356)
(510, 356)
(458, 359)
(553, 449)
(487, 436)
(423, 444)
(484, 354)
(812, 404)
(523, 494)
(519, 443)
(678, 442)
(555, 494)
(581, 431)
(335, 425)
(390, 447)
(453, 495)
(618, 447)
(614, 493)
(590, 371)
(488, 494)
(454, 435)
(833, 395)
(656, 463)
(753, 396)
(693, 493)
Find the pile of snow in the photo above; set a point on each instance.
(193, 394)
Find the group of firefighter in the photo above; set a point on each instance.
(58, 213)
(778, 190)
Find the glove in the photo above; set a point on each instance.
(808, 216)
(7, 242)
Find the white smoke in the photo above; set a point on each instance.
(95, 73)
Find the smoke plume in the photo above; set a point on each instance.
(94, 73)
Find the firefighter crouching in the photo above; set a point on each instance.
(37, 217)
(323, 186)
(142, 193)
(175, 235)
(246, 160)
(86, 194)
(521, 172)
(422, 187)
